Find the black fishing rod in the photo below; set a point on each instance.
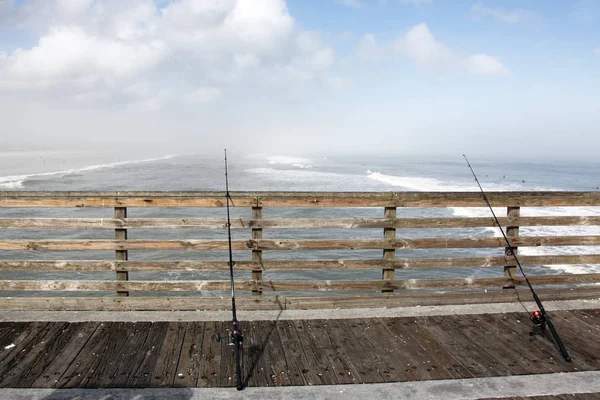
(236, 338)
(540, 318)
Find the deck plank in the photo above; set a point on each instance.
(86, 359)
(254, 343)
(130, 356)
(166, 365)
(188, 368)
(142, 374)
(58, 365)
(319, 362)
(350, 353)
(360, 334)
(292, 352)
(25, 342)
(211, 356)
(107, 357)
(25, 372)
(293, 375)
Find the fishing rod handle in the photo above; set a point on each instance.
(563, 350)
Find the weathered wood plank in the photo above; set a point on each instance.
(53, 372)
(289, 223)
(479, 334)
(188, 367)
(312, 352)
(414, 360)
(22, 341)
(296, 199)
(512, 232)
(320, 285)
(377, 347)
(321, 351)
(457, 344)
(257, 256)
(121, 255)
(262, 244)
(139, 303)
(389, 254)
(212, 354)
(127, 360)
(401, 299)
(142, 374)
(165, 371)
(86, 359)
(254, 361)
(349, 363)
(101, 374)
(292, 352)
(26, 352)
(41, 355)
(417, 298)
(274, 265)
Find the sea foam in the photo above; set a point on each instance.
(298, 162)
(17, 181)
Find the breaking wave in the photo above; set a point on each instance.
(17, 181)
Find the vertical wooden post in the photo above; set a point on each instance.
(510, 269)
(121, 234)
(257, 254)
(389, 254)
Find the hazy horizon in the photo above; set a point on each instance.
(514, 80)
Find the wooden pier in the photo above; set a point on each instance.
(257, 282)
(144, 354)
(291, 352)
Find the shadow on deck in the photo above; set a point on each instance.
(291, 352)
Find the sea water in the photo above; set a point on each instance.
(73, 171)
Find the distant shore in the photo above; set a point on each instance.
(40, 161)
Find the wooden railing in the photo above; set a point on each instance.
(256, 288)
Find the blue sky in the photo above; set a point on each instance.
(422, 76)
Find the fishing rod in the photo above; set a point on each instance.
(540, 318)
(236, 339)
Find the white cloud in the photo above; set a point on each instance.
(70, 53)
(512, 17)
(597, 51)
(369, 49)
(90, 50)
(482, 64)
(419, 45)
(351, 3)
(205, 95)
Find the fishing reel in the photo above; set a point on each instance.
(539, 323)
(236, 335)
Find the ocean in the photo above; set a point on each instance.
(66, 171)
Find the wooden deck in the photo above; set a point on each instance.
(291, 352)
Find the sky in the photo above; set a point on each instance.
(424, 77)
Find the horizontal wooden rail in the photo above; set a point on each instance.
(259, 207)
(296, 199)
(263, 244)
(290, 265)
(293, 285)
(288, 223)
(305, 302)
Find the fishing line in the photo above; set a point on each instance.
(236, 338)
(540, 318)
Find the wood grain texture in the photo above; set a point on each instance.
(286, 265)
(288, 244)
(294, 352)
(273, 285)
(296, 199)
(289, 223)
